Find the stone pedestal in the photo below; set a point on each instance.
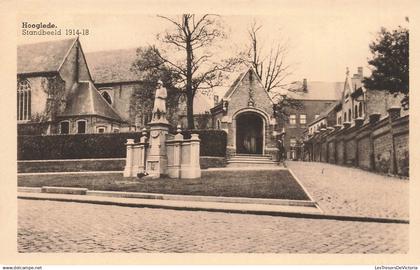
(157, 161)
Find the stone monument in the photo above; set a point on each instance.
(163, 154)
(157, 161)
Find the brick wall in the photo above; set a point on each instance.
(381, 146)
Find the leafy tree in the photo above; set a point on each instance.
(389, 63)
(150, 69)
(189, 60)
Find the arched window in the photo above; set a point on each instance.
(81, 126)
(360, 110)
(349, 115)
(345, 117)
(107, 97)
(355, 111)
(23, 100)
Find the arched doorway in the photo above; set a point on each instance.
(249, 133)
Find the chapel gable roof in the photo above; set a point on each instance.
(239, 80)
(86, 100)
(43, 57)
(114, 66)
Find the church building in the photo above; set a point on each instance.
(246, 114)
(56, 94)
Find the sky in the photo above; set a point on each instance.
(322, 40)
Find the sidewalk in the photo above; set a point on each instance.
(340, 190)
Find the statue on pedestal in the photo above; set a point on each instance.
(159, 107)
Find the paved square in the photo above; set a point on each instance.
(49, 226)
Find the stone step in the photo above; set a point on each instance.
(268, 162)
(250, 160)
(250, 157)
(251, 164)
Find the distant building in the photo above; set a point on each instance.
(366, 128)
(315, 97)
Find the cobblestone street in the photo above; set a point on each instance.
(49, 226)
(349, 191)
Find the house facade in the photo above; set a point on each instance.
(314, 97)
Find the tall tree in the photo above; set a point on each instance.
(272, 68)
(270, 65)
(189, 57)
(389, 63)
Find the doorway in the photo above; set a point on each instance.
(249, 134)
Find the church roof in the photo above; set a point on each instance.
(112, 66)
(317, 90)
(86, 100)
(43, 56)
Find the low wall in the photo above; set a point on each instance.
(71, 165)
(378, 145)
(212, 162)
(86, 165)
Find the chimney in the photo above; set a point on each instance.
(305, 85)
(360, 72)
(215, 99)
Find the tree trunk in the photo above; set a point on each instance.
(189, 87)
(190, 115)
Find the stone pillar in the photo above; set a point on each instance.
(174, 170)
(191, 169)
(394, 113)
(128, 170)
(143, 151)
(157, 161)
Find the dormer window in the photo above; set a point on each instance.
(107, 97)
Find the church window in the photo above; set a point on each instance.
(345, 117)
(81, 126)
(292, 119)
(339, 120)
(107, 97)
(349, 114)
(360, 110)
(303, 119)
(65, 127)
(355, 111)
(24, 101)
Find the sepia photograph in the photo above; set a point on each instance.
(214, 132)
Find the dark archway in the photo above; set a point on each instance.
(249, 133)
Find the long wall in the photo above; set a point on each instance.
(379, 145)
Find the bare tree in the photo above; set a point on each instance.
(271, 67)
(195, 68)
